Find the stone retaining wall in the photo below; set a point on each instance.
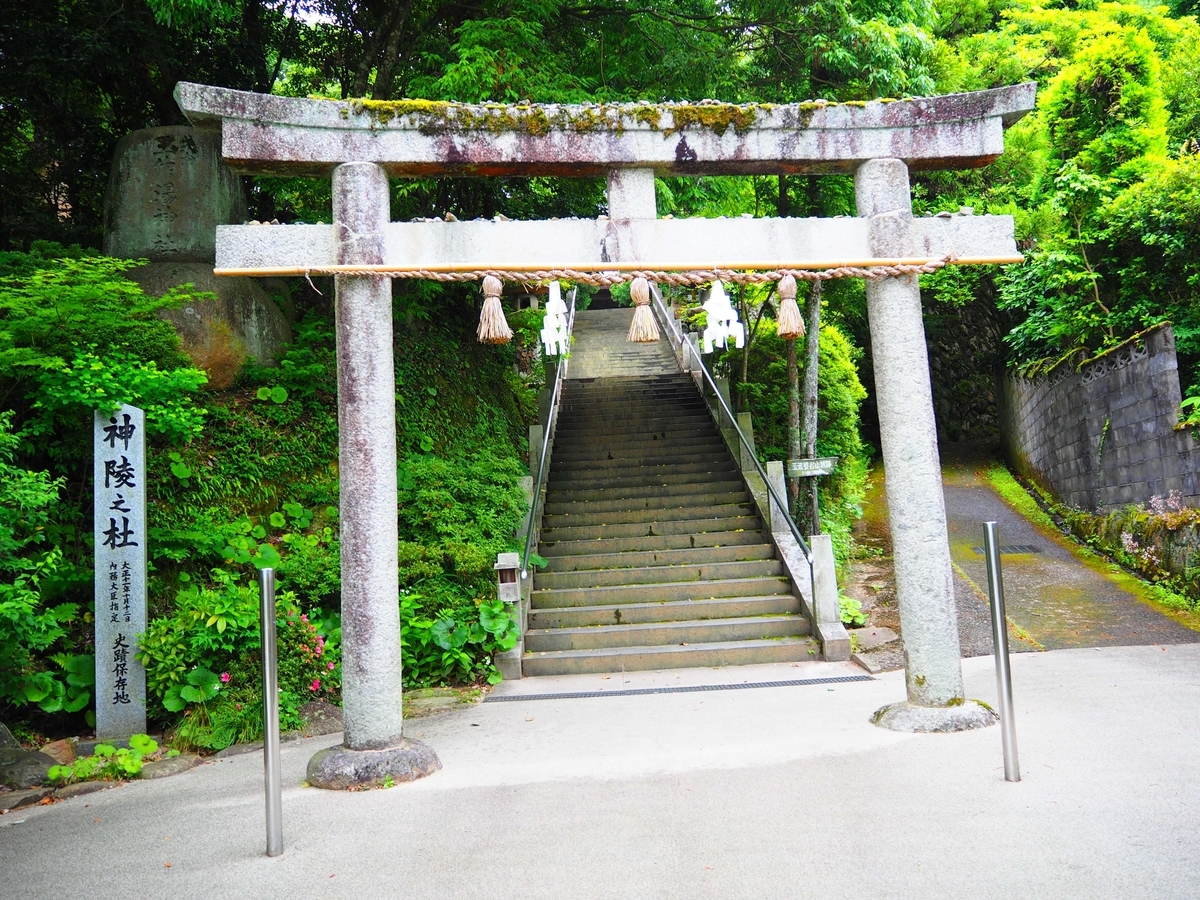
(1102, 434)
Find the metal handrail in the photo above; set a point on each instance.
(546, 435)
(783, 507)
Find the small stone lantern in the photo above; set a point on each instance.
(507, 587)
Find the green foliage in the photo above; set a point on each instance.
(472, 501)
(90, 382)
(851, 612)
(30, 628)
(445, 636)
(216, 630)
(107, 762)
(53, 305)
(1101, 208)
(1105, 110)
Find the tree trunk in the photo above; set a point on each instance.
(385, 74)
(812, 312)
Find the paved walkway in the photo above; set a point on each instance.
(1056, 597)
(762, 793)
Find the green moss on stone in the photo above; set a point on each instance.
(717, 117)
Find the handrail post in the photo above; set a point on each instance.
(270, 700)
(1008, 727)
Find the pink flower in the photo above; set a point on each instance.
(331, 667)
(224, 678)
(303, 618)
(316, 685)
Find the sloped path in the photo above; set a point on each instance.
(1056, 597)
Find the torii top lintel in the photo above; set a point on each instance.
(265, 134)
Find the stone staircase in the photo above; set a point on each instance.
(657, 556)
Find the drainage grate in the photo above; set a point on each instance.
(689, 689)
(1012, 548)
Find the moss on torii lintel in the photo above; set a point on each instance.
(441, 116)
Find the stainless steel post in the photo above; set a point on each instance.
(1008, 728)
(270, 672)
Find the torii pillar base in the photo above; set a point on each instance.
(937, 719)
(340, 769)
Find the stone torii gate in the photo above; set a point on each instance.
(360, 144)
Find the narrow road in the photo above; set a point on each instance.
(1057, 598)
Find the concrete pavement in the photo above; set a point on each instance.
(765, 792)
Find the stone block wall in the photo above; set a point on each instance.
(1101, 434)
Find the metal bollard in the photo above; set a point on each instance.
(270, 672)
(1008, 728)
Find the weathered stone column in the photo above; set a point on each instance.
(908, 435)
(371, 673)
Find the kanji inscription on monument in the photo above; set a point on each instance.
(120, 531)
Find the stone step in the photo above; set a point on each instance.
(632, 382)
(649, 593)
(579, 411)
(558, 504)
(671, 611)
(667, 458)
(648, 529)
(682, 556)
(646, 441)
(684, 392)
(642, 476)
(556, 494)
(647, 449)
(603, 450)
(581, 387)
(661, 574)
(633, 659)
(650, 544)
(631, 413)
(636, 381)
(662, 403)
(648, 634)
(568, 438)
(598, 518)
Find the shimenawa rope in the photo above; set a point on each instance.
(493, 327)
(690, 278)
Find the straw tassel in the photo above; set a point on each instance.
(493, 328)
(643, 329)
(790, 323)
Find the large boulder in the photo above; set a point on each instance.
(24, 768)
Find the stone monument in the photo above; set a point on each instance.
(120, 530)
(168, 191)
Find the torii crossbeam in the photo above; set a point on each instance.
(360, 144)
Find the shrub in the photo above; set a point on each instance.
(203, 660)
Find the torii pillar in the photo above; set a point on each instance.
(361, 146)
(372, 686)
(908, 438)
